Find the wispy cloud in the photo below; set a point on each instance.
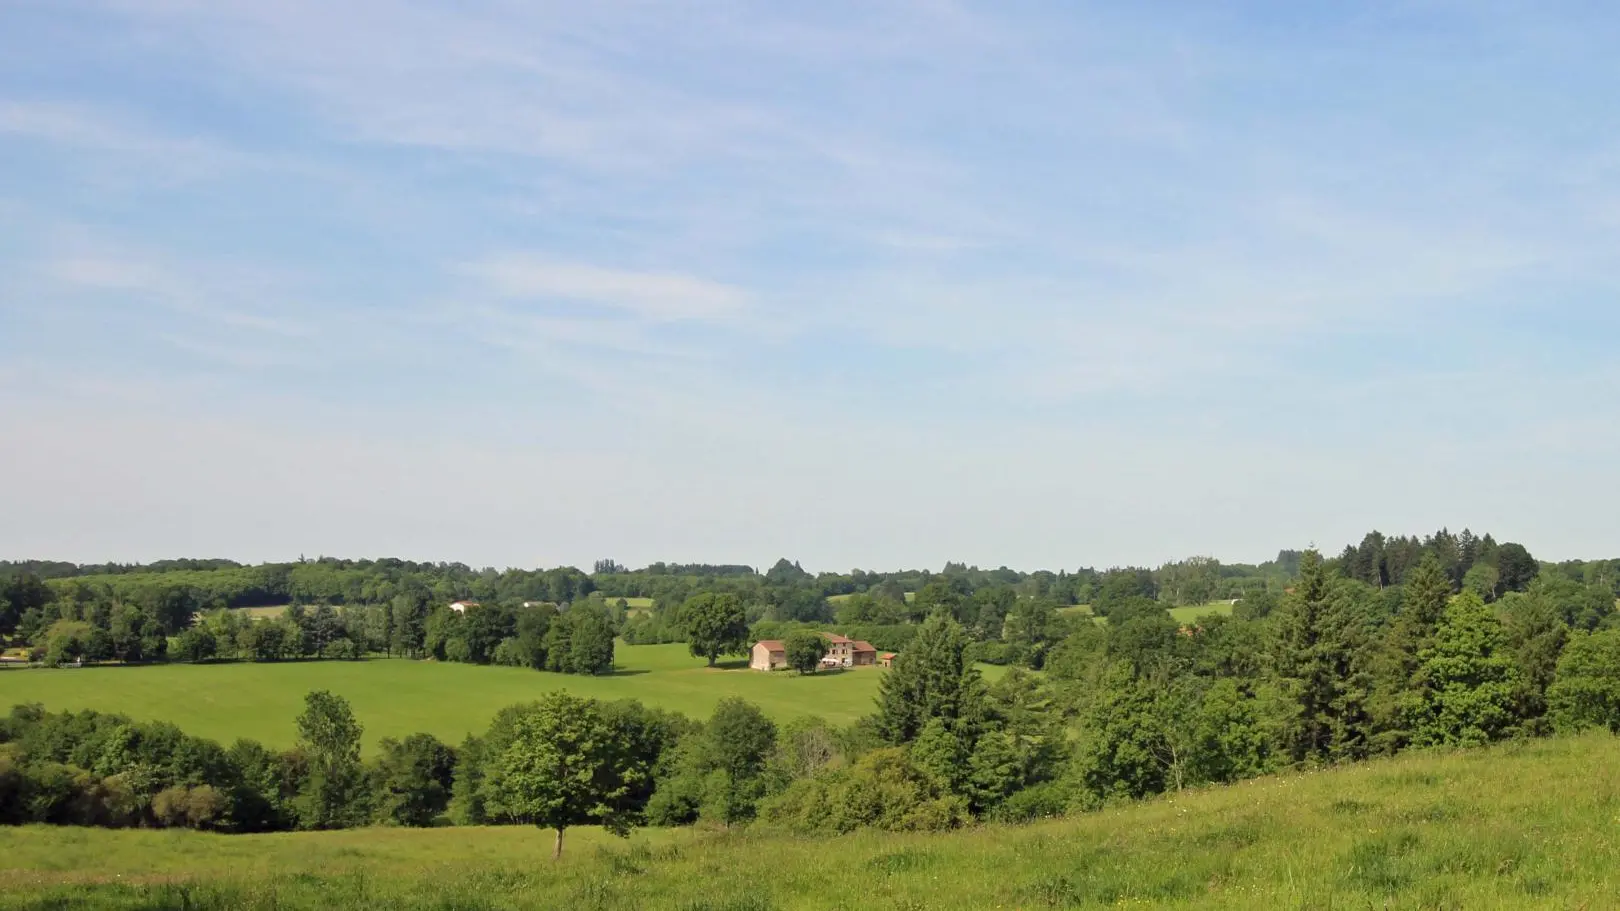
(1059, 244)
(654, 296)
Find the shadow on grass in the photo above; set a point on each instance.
(625, 672)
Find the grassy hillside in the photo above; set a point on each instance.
(393, 698)
(1532, 825)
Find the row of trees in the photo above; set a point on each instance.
(1333, 670)
(89, 768)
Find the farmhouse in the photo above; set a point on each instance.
(771, 654)
(768, 655)
(460, 607)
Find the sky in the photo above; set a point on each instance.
(864, 284)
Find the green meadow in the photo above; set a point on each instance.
(1182, 615)
(396, 697)
(1518, 826)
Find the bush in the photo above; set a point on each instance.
(881, 791)
(341, 650)
(201, 807)
(1046, 800)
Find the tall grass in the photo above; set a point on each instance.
(1532, 825)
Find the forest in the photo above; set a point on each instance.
(1394, 644)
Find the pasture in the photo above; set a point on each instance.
(1518, 826)
(1182, 615)
(396, 697)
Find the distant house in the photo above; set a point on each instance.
(771, 654)
(768, 655)
(887, 659)
(460, 607)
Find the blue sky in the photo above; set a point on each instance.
(866, 284)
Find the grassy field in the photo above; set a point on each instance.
(1182, 615)
(1533, 825)
(393, 698)
(1185, 615)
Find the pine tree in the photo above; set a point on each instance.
(933, 678)
(1322, 657)
(1395, 703)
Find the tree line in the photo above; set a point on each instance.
(1332, 669)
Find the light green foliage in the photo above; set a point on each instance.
(1468, 678)
(1586, 692)
(1515, 827)
(333, 796)
(395, 698)
(1483, 580)
(66, 642)
(565, 765)
(715, 625)
(883, 790)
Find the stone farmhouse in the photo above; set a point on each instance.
(771, 654)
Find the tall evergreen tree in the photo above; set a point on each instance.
(1323, 660)
(933, 678)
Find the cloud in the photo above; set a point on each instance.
(157, 153)
(652, 296)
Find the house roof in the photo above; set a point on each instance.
(889, 656)
(864, 646)
(774, 645)
(836, 639)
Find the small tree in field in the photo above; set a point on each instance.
(568, 765)
(805, 649)
(715, 625)
(334, 796)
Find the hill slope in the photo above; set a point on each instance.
(1533, 825)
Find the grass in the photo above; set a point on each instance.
(257, 612)
(1182, 615)
(1531, 825)
(1186, 615)
(393, 698)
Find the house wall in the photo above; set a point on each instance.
(763, 659)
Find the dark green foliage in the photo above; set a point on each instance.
(720, 773)
(412, 780)
(934, 679)
(715, 625)
(1323, 660)
(804, 650)
(1515, 568)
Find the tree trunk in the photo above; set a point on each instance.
(556, 852)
